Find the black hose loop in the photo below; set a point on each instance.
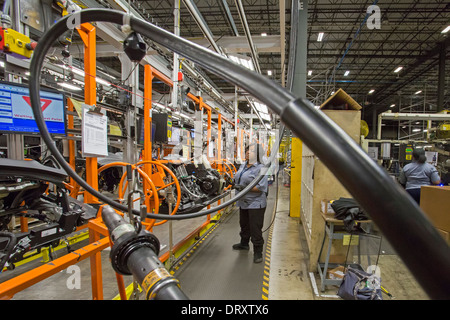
(399, 218)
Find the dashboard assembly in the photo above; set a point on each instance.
(32, 190)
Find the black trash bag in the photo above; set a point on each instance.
(354, 286)
(349, 211)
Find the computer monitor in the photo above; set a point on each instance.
(16, 114)
(141, 128)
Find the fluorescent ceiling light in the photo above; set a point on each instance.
(416, 130)
(309, 72)
(159, 105)
(69, 86)
(320, 36)
(269, 72)
(248, 64)
(446, 30)
(263, 34)
(243, 62)
(177, 113)
(420, 91)
(392, 105)
(54, 73)
(107, 74)
(103, 82)
(82, 74)
(261, 107)
(235, 59)
(398, 69)
(332, 92)
(2, 64)
(265, 116)
(346, 73)
(77, 71)
(371, 91)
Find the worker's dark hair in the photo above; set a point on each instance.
(259, 151)
(419, 155)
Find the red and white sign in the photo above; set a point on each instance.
(52, 110)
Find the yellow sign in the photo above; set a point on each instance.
(351, 240)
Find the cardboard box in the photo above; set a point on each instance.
(336, 273)
(445, 235)
(340, 100)
(326, 206)
(435, 202)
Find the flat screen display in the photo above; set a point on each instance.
(16, 114)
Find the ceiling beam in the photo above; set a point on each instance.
(239, 44)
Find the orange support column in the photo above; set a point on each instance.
(147, 155)
(96, 269)
(208, 132)
(88, 35)
(219, 147)
(219, 143)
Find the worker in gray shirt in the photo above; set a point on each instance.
(418, 173)
(252, 206)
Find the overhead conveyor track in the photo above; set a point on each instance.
(399, 218)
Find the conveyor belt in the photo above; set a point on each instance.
(217, 272)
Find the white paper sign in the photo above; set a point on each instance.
(95, 134)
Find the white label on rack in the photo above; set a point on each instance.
(48, 232)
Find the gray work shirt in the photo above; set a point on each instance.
(244, 176)
(417, 174)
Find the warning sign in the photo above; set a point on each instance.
(52, 110)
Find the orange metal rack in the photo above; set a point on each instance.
(98, 233)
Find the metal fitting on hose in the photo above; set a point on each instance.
(136, 253)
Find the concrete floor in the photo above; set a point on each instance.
(287, 256)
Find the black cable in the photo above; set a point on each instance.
(282, 131)
(274, 212)
(420, 246)
(36, 64)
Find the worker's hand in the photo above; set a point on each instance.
(239, 187)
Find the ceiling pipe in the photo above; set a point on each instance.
(195, 13)
(230, 17)
(283, 41)
(250, 102)
(241, 12)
